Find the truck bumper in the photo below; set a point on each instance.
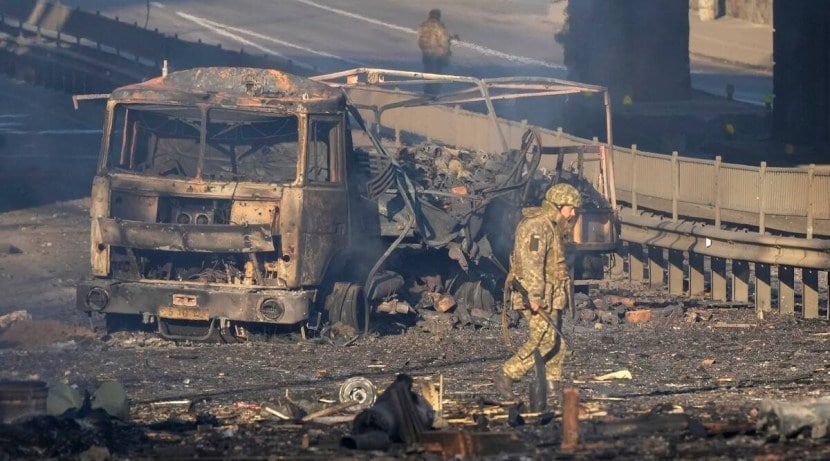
(189, 302)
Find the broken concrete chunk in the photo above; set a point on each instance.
(12, 317)
(790, 419)
(638, 316)
(624, 300)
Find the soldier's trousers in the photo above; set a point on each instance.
(545, 338)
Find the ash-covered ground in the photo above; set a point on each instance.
(713, 366)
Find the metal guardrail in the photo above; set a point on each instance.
(787, 200)
(136, 49)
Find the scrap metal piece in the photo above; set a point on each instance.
(399, 416)
(359, 389)
(789, 419)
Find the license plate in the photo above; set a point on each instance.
(184, 313)
(185, 300)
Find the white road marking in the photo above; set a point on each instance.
(15, 115)
(460, 43)
(215, 25)
(219, 30)
(158, 5)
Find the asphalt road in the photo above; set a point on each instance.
(498, 37)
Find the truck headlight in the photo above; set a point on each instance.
(272, 309)
(97, 298)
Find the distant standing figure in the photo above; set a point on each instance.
(434, 41)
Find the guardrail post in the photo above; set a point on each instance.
(786, 290)
(717, 191)
(618, 263)
(696, 274)
(675, 183)
(636, 262)
(718, 279)
(809, 293)
(762, 173)
(763, 288)
(740, 281)
(655, 267)
(810, 174)
(676, 272)
(634, 170)
(456, 110)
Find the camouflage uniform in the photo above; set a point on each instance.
(434, 41)
(538, 265)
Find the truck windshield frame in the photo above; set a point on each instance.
(210, 143)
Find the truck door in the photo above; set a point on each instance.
(325, 229)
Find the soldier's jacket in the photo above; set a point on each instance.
(538, 259)
(434, 39)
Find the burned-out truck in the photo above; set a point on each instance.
(228, 198)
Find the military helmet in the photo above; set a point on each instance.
(563, 194)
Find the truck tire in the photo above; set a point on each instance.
(346, 304)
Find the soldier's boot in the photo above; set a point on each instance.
(503, 385)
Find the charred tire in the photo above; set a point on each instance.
(473, 294)
(346, 304)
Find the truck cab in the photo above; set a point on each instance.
(220, 193)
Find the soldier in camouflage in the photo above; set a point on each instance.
(538, 265)
(434, 41)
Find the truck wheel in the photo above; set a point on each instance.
(345, 304)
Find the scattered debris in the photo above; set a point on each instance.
(638, 316)
(621, 374)
(358, 389)
(626, 301)
(21, 399)
(9, 249)
(650, 423)
(789, 419)
(463, 444)
(95, 453)
(31, 334)
(398, 416)
(733, 325)
(328, 411)
(12, 317)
